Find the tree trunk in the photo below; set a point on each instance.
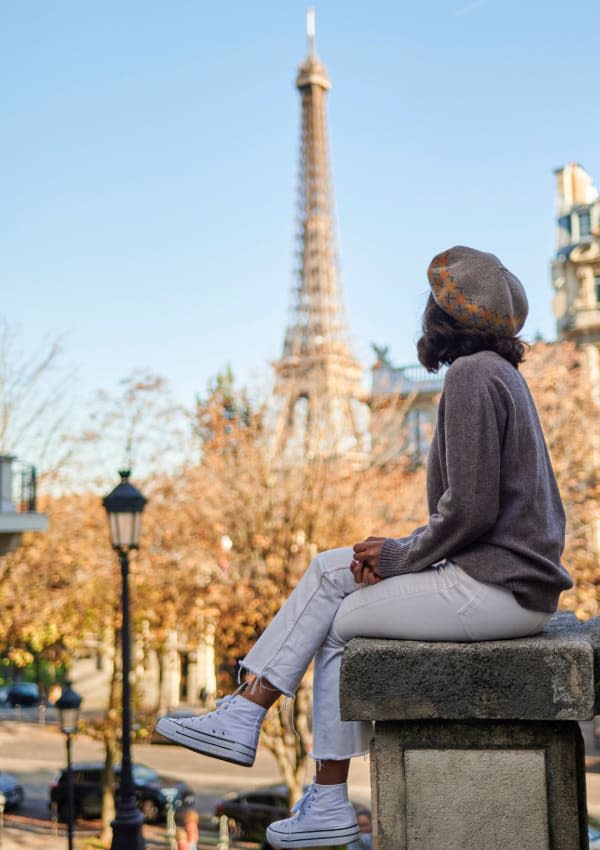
(108, 789)
(110, 748)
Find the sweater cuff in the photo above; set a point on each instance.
(393, 559)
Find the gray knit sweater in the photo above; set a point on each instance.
(494, 505)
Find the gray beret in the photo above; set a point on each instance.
(478, 291)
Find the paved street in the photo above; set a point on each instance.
(34, 754)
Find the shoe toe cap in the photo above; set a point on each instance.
(278, 827)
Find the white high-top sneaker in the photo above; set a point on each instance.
(324, 817)
(229, 733)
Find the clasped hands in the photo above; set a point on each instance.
(365, 566)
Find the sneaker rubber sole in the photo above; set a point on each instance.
(312, 837)
(205, 743)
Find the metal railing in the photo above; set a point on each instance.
(27, 488)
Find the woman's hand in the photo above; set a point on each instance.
(365, 566)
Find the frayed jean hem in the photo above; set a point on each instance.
(338, 757)
(271, 679)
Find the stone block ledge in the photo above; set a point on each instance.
(551, 676)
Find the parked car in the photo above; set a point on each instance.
(12, 790)
(23, 693)
(150, 789)
(251, 812)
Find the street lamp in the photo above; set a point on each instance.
(68, 716)
(124, 506)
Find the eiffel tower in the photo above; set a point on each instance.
(318, 381)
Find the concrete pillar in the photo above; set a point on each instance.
(206, 662)
(201, 676)
(171, 672)
(146, 670)
(193, 679)
(477, 745)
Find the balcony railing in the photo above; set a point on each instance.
(26, 488)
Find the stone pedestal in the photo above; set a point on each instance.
(476, 745)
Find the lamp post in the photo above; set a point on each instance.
(68, 715)
(124, 506)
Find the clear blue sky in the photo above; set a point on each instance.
(149, 153)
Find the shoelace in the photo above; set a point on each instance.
(304, 801)
(223, 702)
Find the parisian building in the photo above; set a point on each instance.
(576, 263)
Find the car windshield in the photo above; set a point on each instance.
(142, 774)
(26, 687)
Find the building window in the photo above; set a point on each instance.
(584, 224)
(597, 286)
(564, 222)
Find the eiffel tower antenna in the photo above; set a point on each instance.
(310, 31)
(318, 380)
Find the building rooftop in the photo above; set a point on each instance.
(402, 380)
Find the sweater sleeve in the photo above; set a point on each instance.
(471, 439)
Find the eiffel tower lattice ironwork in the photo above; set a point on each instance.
(318, 380)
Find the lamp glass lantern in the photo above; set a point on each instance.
(68, 706)
(124, 506)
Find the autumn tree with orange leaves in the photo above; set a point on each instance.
(567, 404)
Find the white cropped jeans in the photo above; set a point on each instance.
(327, 609)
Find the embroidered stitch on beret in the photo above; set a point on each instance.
(478, 291)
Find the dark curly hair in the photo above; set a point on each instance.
(444, 340)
